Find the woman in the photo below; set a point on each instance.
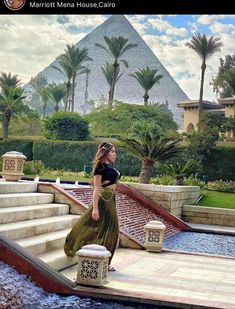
(99, 224)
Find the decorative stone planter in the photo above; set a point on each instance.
(154, 235)
(93, 262)
(13, 164)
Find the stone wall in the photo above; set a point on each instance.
(208, 215)
(171, 198)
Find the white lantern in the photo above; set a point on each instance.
(93, 262)
(13, 165)
(154, 235)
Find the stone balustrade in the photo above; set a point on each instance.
(171, 198)
(208, 215)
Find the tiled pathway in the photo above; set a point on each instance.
(190, 281)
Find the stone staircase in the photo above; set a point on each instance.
(35, 222)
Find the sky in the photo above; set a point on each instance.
(29, 43)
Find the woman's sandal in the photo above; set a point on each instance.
(111, 268)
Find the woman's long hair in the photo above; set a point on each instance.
(101, 154)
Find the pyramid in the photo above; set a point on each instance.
(127, 88)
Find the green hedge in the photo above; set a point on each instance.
(24, 146)
(74, 155)
(222, 165)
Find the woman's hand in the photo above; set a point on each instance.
(95, 214)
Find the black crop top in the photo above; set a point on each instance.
(108, 173)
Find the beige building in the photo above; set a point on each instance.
(226, 107)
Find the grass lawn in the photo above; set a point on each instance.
(217, 199)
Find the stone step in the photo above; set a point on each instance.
(21, 213)
(17, 187)
(57, 259)
(45, 242)
(24, 199)
(22, 229)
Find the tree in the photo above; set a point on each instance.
(11, 99)
(87, 71)
(104, 122)
(108, 71)
(57, 93)
(8, 80)
(147, 78)
(224, 82)
(204, 47)
(116, 47)
(179, 170)
(73, 59)
(67, 70)
(66, 126)
(147, 142)
(40, 87)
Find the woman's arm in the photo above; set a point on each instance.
(96, 192)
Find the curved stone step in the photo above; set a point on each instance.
(24, 199)
(17, 187)
(39, 244)
(21, 213)
(18, 230)
(57, 259)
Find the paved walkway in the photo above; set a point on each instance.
(190, 281)
(213, 228)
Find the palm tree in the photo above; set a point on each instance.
(107, 70)
(179, 170)
(9, 80)
(67, 70)
(10, 97)
(57, 93)
(204, 47)
(87, 72)
(146, 142)
(116, 47)
(73, 58)
(147, 78)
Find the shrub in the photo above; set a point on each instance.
(163, 180)
(220, 185)
(129, 179)
(66, 126)
(34, 167)
(191, 181)
(23, 146)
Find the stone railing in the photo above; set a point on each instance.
(208, 215)
(171, 198)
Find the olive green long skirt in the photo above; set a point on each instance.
(103, 232)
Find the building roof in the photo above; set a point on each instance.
(206, 105)
(227, 101)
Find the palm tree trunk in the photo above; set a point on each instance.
(57, 106)
(73, 91)
(67, 96)
(112, 88)
(146, 97)
(146, 170)
(203, 69)
(6, 121)
(86, 91)
(44, 111)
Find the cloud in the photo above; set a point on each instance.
(208, 19)
(164, 26)
(33, 42)
(222, 28)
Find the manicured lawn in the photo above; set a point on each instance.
(217, 199)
